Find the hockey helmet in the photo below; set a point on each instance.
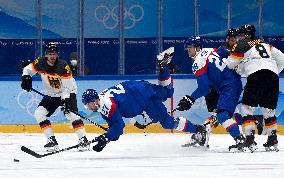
(248, 30)
(231, 32)
(51, 47)
(89, 95)
(193, 41)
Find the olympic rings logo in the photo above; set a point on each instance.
(109, 18)
(29, 102)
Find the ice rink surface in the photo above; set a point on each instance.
(138, 155)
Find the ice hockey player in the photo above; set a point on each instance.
(260, 63)
(130, 98)
(231, 40)
(211, 99)
(61, 87)
(210, 70)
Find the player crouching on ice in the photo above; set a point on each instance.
(61, 87)
(130, 98)
(211, 71)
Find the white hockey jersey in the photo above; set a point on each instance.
(57, 80)
(250, 56)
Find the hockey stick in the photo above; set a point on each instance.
(144, 126)
(34, 154)
(85, 118)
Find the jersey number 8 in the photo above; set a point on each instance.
(262, 51)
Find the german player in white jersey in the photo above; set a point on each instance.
(261, 63)
(61, 87)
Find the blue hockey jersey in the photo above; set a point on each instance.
(211, 71)
(127, 99)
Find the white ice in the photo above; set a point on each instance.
(138, 155)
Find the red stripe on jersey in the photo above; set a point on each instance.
(202, 70)
(238, 55)
(270, 46)
(112, 108)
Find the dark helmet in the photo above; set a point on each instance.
(231, 32)
(89, 95)
(193, 41)
(248, 30)
(51, 47)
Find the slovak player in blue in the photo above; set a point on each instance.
(211, 71)
(130, 98)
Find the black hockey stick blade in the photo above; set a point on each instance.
(30, 152)
(34, 154)
(142, 126)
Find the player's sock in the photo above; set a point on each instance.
(182, 124)
(164, 77)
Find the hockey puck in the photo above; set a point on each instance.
(16, 160)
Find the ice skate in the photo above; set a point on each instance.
(250, 143)
(51, 145)
(165, 57)
(272, 142)
(83, 144)
(240, 144)
(200, 138)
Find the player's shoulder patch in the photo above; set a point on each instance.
(107, 105)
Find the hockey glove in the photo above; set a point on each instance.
(27, 83)
(66, 106)
(185, 103)
(102, 142)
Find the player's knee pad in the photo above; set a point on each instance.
(40, 114)
(246, 110)
(267, 113)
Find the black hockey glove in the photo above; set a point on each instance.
(102, 142)
(27, 83)
(185, 103)
(66, 105)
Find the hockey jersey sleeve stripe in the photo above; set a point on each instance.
(112, 109)
(270, 47)
(237, 56)
(202, 70)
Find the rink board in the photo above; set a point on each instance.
(129, 128)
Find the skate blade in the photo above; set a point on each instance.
(189, 145)
(271, 149)
(83, 149)
(252, 148)
(52, 149)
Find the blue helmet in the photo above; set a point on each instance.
(193, 41)
(89, 95)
